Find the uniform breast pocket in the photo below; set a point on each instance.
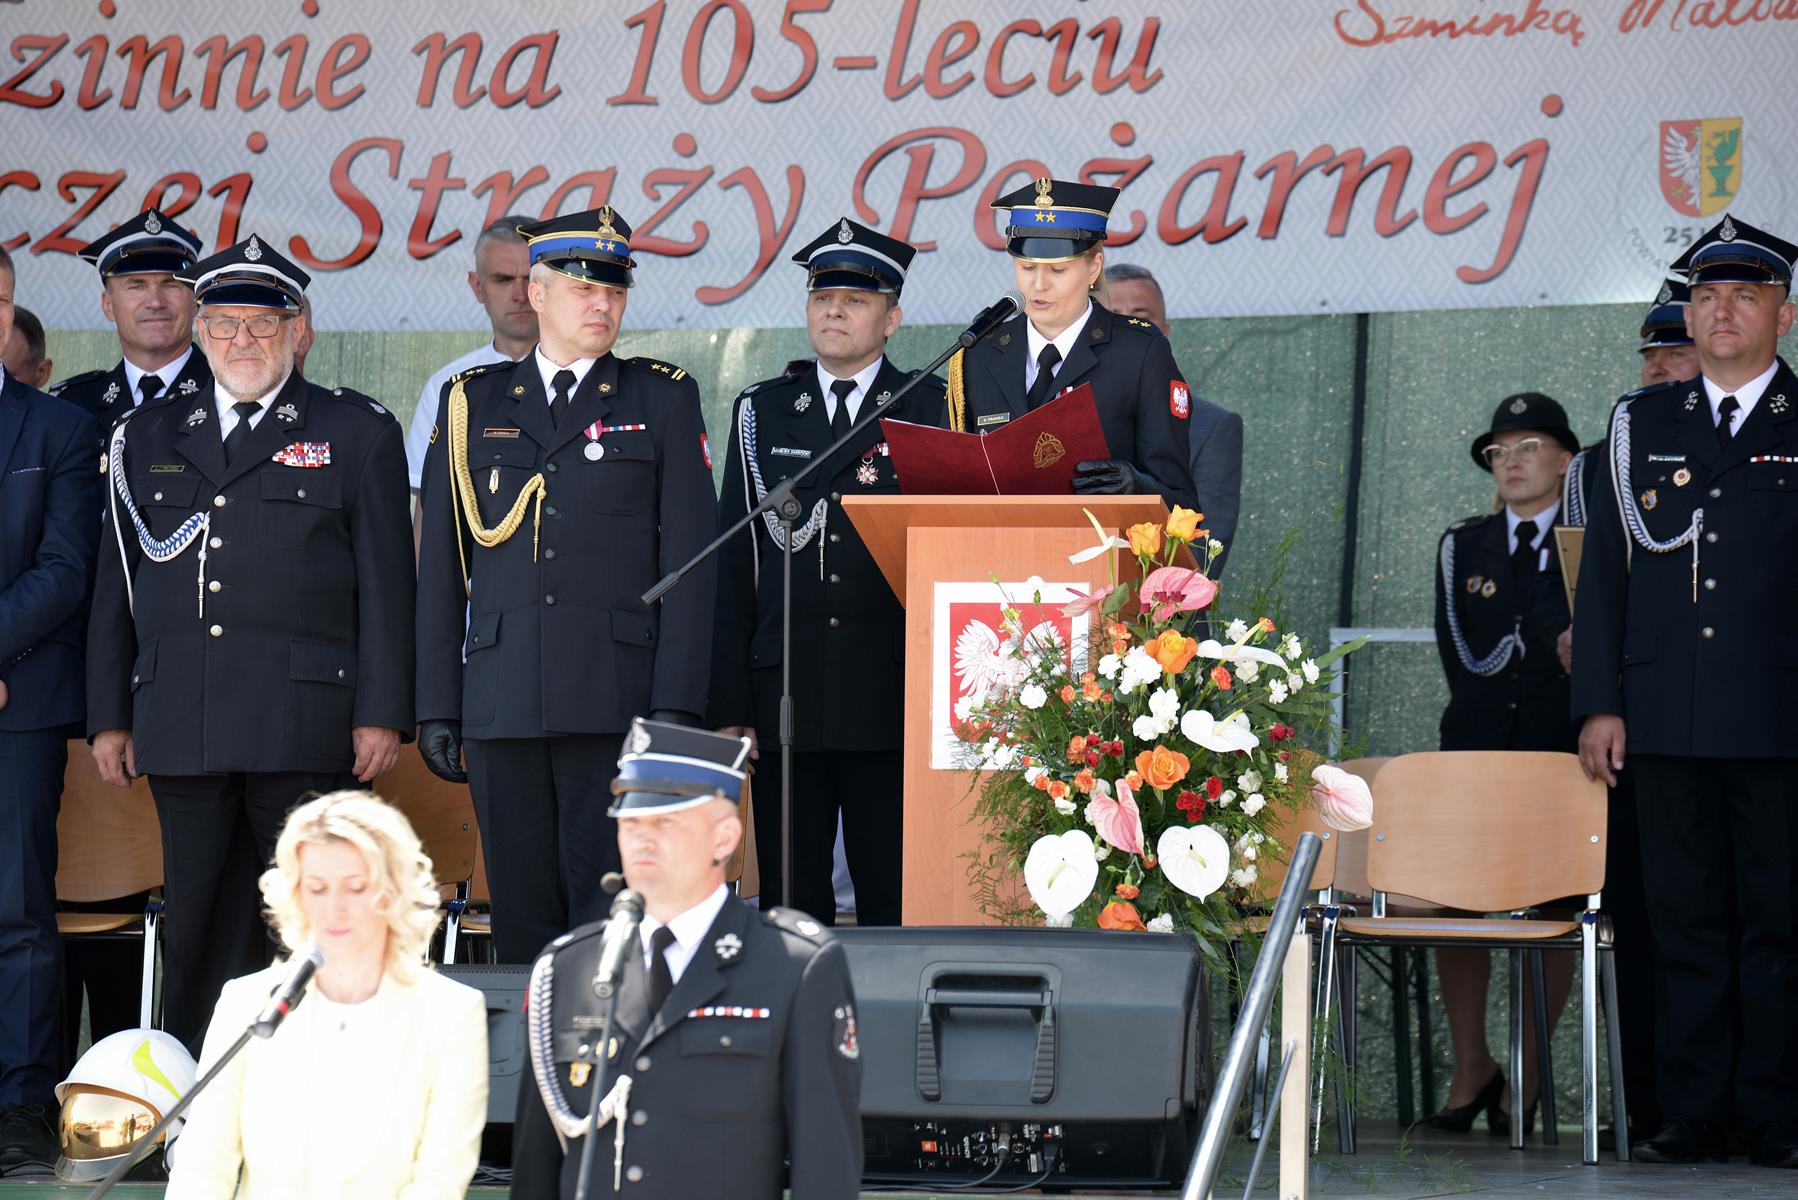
(622, 480)
(164, 500)
(727, 1067)
(500, 468)
(1775, 489)
(302, 508)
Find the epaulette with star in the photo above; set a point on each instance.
(791, 920)
(658, 366)
(477, 369)
(62, 385)
(359, 401)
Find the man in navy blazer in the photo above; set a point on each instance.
(49, 535)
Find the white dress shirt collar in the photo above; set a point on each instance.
(1747, 396)
(548, 370)
(167, 372)
(1545, 521)
(864, 381)
(1063, 343)
(225, 404)
(689, 928)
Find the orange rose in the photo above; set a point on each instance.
(1058, 790)
(1084, 780)
(1161, 767)
(1173, 650)
(1067, 693)
(1183, 523)
(1220, 675)
(1119, 915)
(1145, 539)
(1127, 891)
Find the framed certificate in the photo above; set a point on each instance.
(1569, 540)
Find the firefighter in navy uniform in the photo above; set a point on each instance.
(1496, 624)
(250, 640)
(735, 1028)
(557, 490)
(848, 627)
(1056, 236)
(1686, 665)
(153, 310)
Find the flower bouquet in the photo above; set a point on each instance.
(1141, 790)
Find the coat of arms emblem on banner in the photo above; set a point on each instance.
(1701, 164)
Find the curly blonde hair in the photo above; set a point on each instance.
(397, 865)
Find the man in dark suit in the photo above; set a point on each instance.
(154, 313)
(848, 627)
(49, 492)
(1064, 338)
(24, 356)
(1215, 433)
(556, 492)
(1685, 663)
(736, 1028)
(251, 633)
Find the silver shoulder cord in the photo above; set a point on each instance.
(1627, 508)
(752, 472)
(194, 529)
(1494, 662)
(567, 1123)
(1573, 495)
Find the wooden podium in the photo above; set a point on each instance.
(926, 545)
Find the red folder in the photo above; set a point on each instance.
(1031, 455)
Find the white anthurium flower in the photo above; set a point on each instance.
(1309, 667)
(1220, 737)
(1195, 858)
(1107, 542)
(1276, 691)
(1162, 924)
(1237, 652)
(1033, 696)
(1060, 871)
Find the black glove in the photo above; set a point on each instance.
(440, 744)
(1112, 477)
(673, 716)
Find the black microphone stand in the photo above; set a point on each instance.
(607, 990)
(140, 1151)
(782, 501)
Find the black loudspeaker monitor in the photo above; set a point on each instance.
(508, 1058)
(1085, 1053)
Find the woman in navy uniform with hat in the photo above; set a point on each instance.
(1496, 624)
(1064, 337)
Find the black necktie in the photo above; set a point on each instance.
(839, 420)
(1524, 556)
(148, 387)
(1726, 412)
(563, 384)
(661, 979)
(1044, 387)
(240, 433)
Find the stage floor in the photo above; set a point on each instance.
(1388, 1168)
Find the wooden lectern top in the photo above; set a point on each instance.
(883, 521)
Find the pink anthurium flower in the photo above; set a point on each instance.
(1117, 818)
(1169, 590)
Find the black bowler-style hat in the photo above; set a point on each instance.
(1526, 410)
(592, 246)
(668, 768)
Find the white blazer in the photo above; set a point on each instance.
(416, 1106)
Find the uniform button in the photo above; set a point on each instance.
(549, 510)
(835, 538)
(215, 543)
(1512, 704)
(836, 497)
(1716, 492)
(551, 468)
(633, 1174)
(217, 631)
(157, 496)
(549, 555)
(301, 493)
(1710, 585)
(550, 599)
(834, 623)
(639, 1117)
(1707, 632)
(835, 578)
(725, 1041)
(1711, 536)
(642, 1063)
(340, 672)
(218, 502)
(214, 586)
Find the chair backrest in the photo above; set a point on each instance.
(1302, 819)
(1351, 848)
(109, 843)
(1487, 830)
(442, 814)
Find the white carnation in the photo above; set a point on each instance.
(1145, 728)
(1033, 696)
(1253, 804)
(1100, 849)
(1295, 683)
(1087, 815)
(1065, 807)
(1248, 853)
(1032, 774)
(1226, 800)
(1246, 670)
(1276, 691)
(1101, 787)
(1237, 630)
(1292, 648)
(1309, 667)
(1162, 924)
(1243, 877)
(1164, 706)
(1280, 772)
(1249, 781)
(1109, 666)
(1139, 669)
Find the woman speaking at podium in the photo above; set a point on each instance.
(376, 1086)
(1055, 235)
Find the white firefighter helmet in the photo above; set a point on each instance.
(119, 1089)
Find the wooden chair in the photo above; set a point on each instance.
(442, 814)
(1498, 832)
(109, 844)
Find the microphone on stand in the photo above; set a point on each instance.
(305, 964)
(619, 939)
(610, 882)
(991, 317)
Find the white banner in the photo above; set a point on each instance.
(1275, 157)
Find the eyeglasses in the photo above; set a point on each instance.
(1524, 451)
(263, 325)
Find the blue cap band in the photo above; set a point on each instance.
(1046, 220)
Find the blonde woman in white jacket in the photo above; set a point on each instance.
(376, 1086)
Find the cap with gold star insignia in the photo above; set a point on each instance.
(592, 246)
(1054, 221)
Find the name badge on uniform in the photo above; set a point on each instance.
(789, 452)
(993, 419)
(499, 433)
